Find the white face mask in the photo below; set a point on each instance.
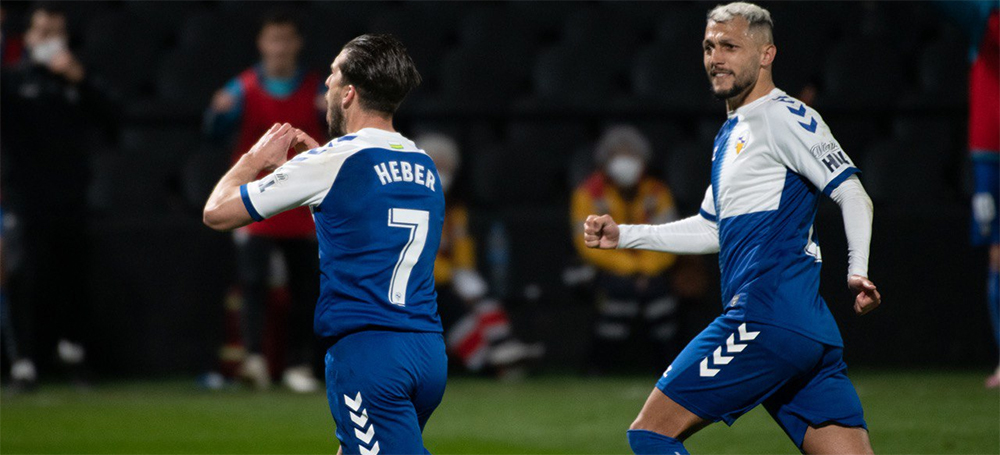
(44, 52)
(625, 170)
(445, 180)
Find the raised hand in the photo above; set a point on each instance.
(866, 296)
(271, 150)
(600, 232)
(303, 141)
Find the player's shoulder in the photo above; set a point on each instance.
(786, 114)
(376, 140)
(338, 149)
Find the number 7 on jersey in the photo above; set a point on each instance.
(416, 221)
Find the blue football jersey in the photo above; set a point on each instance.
(772, 160)
(378, 206)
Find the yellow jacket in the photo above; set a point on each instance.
(652, 204)
(457, 251)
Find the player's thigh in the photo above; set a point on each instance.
(834, 438)
(662, 415)
(370, 387)
(730, 368)
(825, 400)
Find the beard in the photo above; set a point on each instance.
(336, 123)
(740, 84)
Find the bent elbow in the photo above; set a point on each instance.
(213, 220)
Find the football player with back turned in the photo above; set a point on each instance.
(378, 207)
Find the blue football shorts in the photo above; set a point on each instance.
(986, 200)
(733, 366)
(382, 387)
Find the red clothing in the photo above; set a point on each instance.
(984, 91)
(260, 111)
(13, 48)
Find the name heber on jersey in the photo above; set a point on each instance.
(403, 171)
(377, 239)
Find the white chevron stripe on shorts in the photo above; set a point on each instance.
(359, 416)
(722, 355)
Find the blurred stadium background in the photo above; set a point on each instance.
(526, 87)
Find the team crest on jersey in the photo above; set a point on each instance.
(741, 142)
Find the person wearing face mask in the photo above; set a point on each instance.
(633, 290)
(49, 106)
(477, 328)
(276, 90)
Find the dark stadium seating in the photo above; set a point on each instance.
(119, 46)
(862, 73)
(943, 75)
(574, 77)
(671, 77)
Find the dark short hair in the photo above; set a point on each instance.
(381, 70)
(279, 17)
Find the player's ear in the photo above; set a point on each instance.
(350, 94)
(767, 55)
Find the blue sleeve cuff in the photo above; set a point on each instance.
(707, 216)
(249, 205)
(840, 179)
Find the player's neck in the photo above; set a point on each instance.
(366, 119)
(759, 90)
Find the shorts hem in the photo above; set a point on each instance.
(692, 408)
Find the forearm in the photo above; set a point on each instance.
(224, 209)
(692, 235)
(858, 212)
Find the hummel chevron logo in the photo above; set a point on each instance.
(372, 451)
(746, 336)
(354, 404)
(707, 372)
(360, 420)
(801, 111)
(723, 356)
(367, 436)
(811, 127)
(719, 358)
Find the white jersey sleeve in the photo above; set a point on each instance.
(303, 181)
(803, 142)
(707, 209)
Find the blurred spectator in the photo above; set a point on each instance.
(981, 21)
(276, 90)
(633, 289)
(477, 327)
(48, 102)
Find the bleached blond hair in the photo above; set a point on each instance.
(761, 26)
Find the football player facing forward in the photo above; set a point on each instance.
(776, 342)
(378, 206)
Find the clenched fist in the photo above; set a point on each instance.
(866, 297)
(600, 232)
